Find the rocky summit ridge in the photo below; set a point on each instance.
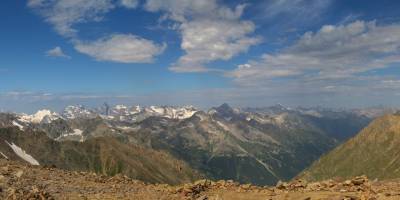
(20, 181)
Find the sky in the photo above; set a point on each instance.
(331, 53)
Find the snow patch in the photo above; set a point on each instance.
(125, 128)
(157, 110)
(226, 128)
(18, 125)
(77, 132)
(135, 110)
(280, 119)
(107, 117)
(212, 111)
(22, 154)
(184, 113)
(4, 155)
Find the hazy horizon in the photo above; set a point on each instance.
(59, 107)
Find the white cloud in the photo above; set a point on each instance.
(333, 52)
(291, 15)
(63, 14)
(209, 31)
(179, 10)
(300, 8)
(121, 48)
(56, 52)
(332, 66)
(130, 3)
(208, 40)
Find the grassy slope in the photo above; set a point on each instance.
(375, 152)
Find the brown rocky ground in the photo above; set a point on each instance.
(20, 181)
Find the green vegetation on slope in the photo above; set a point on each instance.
(374, 152)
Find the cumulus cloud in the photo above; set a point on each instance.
(333, 52)
(299, 8)
(208, 40)
(130, 3)
(63, 14)
(180, 10)
(344, 61)
(121, 48)
(209, 31)
(56, 52)
(291, 15)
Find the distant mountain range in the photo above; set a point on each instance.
(177, 144)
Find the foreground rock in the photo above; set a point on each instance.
(19, 181)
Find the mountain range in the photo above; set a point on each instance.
(178, 144)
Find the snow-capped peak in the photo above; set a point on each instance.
(135, 109)
(156, 110)
(172, 112)
(123, 112)
(117, 112)
(120, 107)
(77, 111)
(40, 116)
(185, 112)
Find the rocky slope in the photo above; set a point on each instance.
(103, 155)
(235, 148)
(19, 181)
(374, 152)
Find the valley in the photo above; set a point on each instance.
(180, 144)
(200, 100)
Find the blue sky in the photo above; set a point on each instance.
(342, 53)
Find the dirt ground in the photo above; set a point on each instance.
(22, 181)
